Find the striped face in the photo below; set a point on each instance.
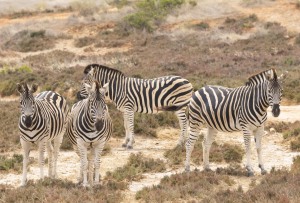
(274, 92)
(97, 106)
(27, 103)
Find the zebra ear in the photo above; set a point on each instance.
(270, 74)
(283, 76)
(20, 88)
(104, 89)
(34, 88)
(87, 87)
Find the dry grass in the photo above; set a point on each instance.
(185, 186)
(56, 190)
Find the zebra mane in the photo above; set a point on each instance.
(261, 77)
(105, 68)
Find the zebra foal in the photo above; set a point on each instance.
(90, 127)
(140, 95)
(233, 109)
(42, 120)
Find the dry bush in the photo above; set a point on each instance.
(84, 41)
(9, 133)
(184, 186)
(240, 25)
(233, 169)
(30, 41)
(218, 153)
(135, 167)
(13, 163)
(57, 190)
(278, 186)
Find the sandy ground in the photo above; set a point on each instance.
(275, 154)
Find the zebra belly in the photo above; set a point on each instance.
(91, 137)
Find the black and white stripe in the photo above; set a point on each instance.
(90, 126)
(233, 109)
(140, 95)
(43, 119)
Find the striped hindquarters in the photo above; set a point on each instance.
(147, 95)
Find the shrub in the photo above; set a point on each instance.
(184, 186)
(14, 163)
(136, 165)
(57, 190)
(83, 41)
(29, 40)
(151, 12)
(9, 133)
(278, 186)
(218, 153)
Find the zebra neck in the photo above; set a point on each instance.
(117, 91)
(85, 116)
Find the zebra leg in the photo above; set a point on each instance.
(129, 117)
(193, 136)
(183, 125)
(206, 144)
(126, 130)
(91, 168)
(57, 144)
(50, 158)
(83, 160)
(98, 151)
(26, 150)
(247, 141)
(257, 137)
(42, 146)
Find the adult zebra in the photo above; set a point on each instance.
(140, 95)
(42, 120)
(90, 126)
(233, 109)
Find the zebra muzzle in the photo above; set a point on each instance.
(275, 110)
(99, 124)
(27, 121)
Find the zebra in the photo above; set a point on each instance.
(43, 119)
(233, 109)
(140, 95)
(90, 126)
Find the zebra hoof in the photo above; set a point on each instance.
(263, 172)
(207, 169)
(187, 169)
(129, 147)
(124, 145)
(250, 174)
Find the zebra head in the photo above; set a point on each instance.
(88, 79)
(274, 90)
(27, 103)
(96, 104)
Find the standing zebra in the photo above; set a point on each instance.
(42, 120)
(233, 109)
(90, 126)
(140, 95)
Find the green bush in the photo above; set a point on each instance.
(11, 163)
(151, 12)
(135, 167)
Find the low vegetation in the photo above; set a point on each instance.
(184, 186)
(29, 41)
(57, 190)
(13, 163)
(150, 13)
(135, 167)
(218, 153)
